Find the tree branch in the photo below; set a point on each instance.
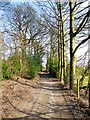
(81, 25)
(81, 44)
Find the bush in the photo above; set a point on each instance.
(10, 67)
(33, 66)
(15, 65)
(6, 73)
(53, 68)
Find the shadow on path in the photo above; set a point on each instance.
(49, 103)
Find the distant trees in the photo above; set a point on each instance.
(56, 23)
(69, 22)
(23, 30)
(61, 44)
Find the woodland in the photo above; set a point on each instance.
(49, 36)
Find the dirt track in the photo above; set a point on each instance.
(40, 99)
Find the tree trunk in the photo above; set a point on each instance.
(72, 44)
(59, 51)
(21, 58)
(31, 47)
(35, 48)
(64, 55)
(61, 42)
(51, 52)
(89, 78)
(47, 67)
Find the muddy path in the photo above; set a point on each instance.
(38, 99)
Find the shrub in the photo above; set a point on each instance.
(6, 73)
(10, 67)
(33, 65)
(53, 68)
(15, 65)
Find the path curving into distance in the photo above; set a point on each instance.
(46, 102)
